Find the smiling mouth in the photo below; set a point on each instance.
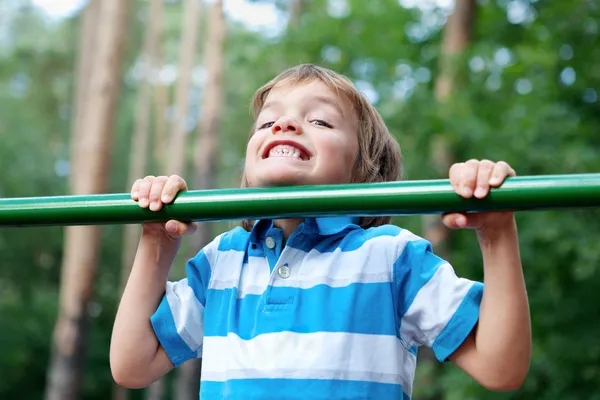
(287, 151)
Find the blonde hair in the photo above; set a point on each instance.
(379, 157)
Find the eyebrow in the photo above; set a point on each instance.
(330, 101)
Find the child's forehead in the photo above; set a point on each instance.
(310, 89)
(301, 87)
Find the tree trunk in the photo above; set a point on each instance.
(296, 7)
(87, 35)
(161, 127)
(205, 158)
(187, 55)
(456, 37)
(139, 142)
(177, 156)
(97, 113)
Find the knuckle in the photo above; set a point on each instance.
(175, 180)
(145, 185)
(471, 176)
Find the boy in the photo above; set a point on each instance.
(321, 308)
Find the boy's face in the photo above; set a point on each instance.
(304, 135)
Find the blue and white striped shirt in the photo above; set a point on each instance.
(338, 312)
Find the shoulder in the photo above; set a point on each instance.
(235, 239)
(390, 240)
(390, 235)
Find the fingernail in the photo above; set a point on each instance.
(144, 202)
(166, 198)
(135, 194)
(154, 205)
(467, 191)
(494, 180)
(480, 192)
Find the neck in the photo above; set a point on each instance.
(288, 225)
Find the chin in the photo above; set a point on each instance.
(280, 179)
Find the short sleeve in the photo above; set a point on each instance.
(434, 307)
(179, 320)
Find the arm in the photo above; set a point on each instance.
(136, 357)
(498, 351)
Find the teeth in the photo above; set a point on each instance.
(284, 151)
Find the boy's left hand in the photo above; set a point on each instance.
(475, 178)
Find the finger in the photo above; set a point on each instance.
(178, 228)
(468, 178)
(144, 190)
(455, 174)
(500, 172)
(174, 185)
(135, 190)
(454, 220)
(190, 228)
(464, 221)
(155, 191)
(483, 178)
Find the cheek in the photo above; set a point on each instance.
(251, 157)
(253, 145)
(344, 148)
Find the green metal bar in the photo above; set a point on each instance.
(390, 198)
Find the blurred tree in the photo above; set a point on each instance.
(82, 244)
(187, 57)
(452, 64)
(83, 68)
(176, 156)
(161, 126)
(205, 161)
(148, 69)
(295, 12)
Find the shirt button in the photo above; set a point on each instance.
(284, 271)
(270, 242)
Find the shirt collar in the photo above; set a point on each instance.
(325, 226)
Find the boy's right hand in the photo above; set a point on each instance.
(152, 192)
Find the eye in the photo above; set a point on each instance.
(320, 122)
(267, 125)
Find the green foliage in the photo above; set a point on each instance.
(529, 95)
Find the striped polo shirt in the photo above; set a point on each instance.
(335, 312)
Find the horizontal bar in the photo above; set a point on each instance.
(367, 199)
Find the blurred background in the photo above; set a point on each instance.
(94, 94)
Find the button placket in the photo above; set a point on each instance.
(270, 242)
(284, 271)
(283, 300)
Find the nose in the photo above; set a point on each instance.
(286, 124)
